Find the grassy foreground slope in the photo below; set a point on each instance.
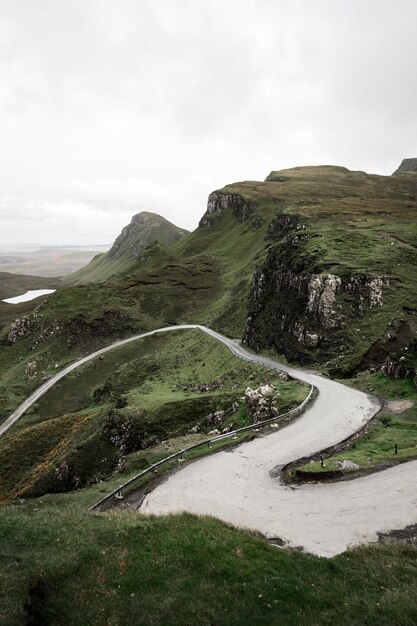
(67, 567)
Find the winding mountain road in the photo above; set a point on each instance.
(240, 486)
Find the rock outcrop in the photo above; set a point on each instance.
(393, 353)
(407, 165)
(218, 203)
(261, 403)
(297, 308)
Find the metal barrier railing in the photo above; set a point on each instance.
(208, 442)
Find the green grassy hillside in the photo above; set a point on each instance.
(319, 264)
(114, 413)
(389, 439)
(16, 284)
(316, 263)
(12, 285)
(63, 566)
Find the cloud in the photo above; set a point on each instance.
(110, 108)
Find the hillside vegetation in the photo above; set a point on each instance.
(62, 566)
(112, 415)
(12, 285)
(316, 263)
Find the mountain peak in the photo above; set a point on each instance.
(144, 228)
(407, 165)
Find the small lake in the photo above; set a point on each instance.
(29, 295)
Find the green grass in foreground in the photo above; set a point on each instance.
(376, 447)
(121, 569)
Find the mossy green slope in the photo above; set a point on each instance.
(390, 438)
(67, 567)
(156, 390)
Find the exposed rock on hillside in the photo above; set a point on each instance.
(407, 165)
(283, 223)
(73, 331)
(261, 403)
(394, 352)
(144, 229)
(322, 291)
(218, 203)
(133, 244)
(300, 310)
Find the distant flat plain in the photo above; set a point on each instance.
(41, 260)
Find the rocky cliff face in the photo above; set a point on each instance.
(407, 165)
(307, 300)
(299, 309)
(218, 203)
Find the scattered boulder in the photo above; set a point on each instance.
(399, 406)
(347, 466)
(261, 403)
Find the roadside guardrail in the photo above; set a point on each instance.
(206, 443)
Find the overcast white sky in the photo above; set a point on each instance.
(108, 108)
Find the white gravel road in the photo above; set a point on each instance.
(324, 519)
(237, 486)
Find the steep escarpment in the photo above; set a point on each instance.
(301, 310)
(219, 202)
(339, 280)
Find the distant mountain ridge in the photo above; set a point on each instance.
(144, 229)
